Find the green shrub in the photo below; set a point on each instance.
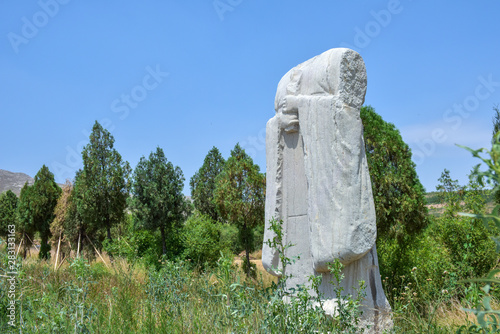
(229, 237)
(137, 245)
(488, 318)
(201, 238)
(458, 246)
(471, 250)
(166, 286)
(258, 236)
(426, 257)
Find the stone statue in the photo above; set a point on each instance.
(318, 181)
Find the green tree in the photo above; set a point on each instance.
(103, 184)
(398, 195)
(240, 195)
(45, 193)
(8, 207)
(25, 225)
(450, 193)
(203, 184)
(397, 191)
(77, 231)
(158, 202)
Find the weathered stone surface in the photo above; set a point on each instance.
(318, 181)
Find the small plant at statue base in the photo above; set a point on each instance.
(348, 312)
(298, 311)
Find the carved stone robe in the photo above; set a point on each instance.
(318, 181)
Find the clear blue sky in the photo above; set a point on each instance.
(433, 70)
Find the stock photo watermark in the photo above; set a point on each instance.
(31, 25)
(121, 106)
(224, 6)
(138, 93)
(255, 144)
(454, 117)
(11, 276)
(380, 19)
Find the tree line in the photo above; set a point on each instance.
(87, 213)
(143, 213)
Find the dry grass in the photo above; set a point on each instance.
(256, 257)
(453, 315)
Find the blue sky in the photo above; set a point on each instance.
(190, 75)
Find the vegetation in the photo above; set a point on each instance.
(80, 231)
(240, 197)
(45, 193)
(488, 318)
(496, 122)
(203, 184)
(174, 270)
(103, 185)
(59, 223)
(449, 193)
(397, 191)
(298, 311)
(8, 207)
(25, 226)
(402, 216)
(496, 128)
(173, 298)
(157, 200)
(201, 240)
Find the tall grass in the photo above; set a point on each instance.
(90, 298)
(131, 298)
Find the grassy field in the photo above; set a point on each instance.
(123, 297)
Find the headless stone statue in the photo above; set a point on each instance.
(318, 181)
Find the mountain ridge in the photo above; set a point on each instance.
(13, 181)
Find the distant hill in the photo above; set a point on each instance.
(13, 181)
